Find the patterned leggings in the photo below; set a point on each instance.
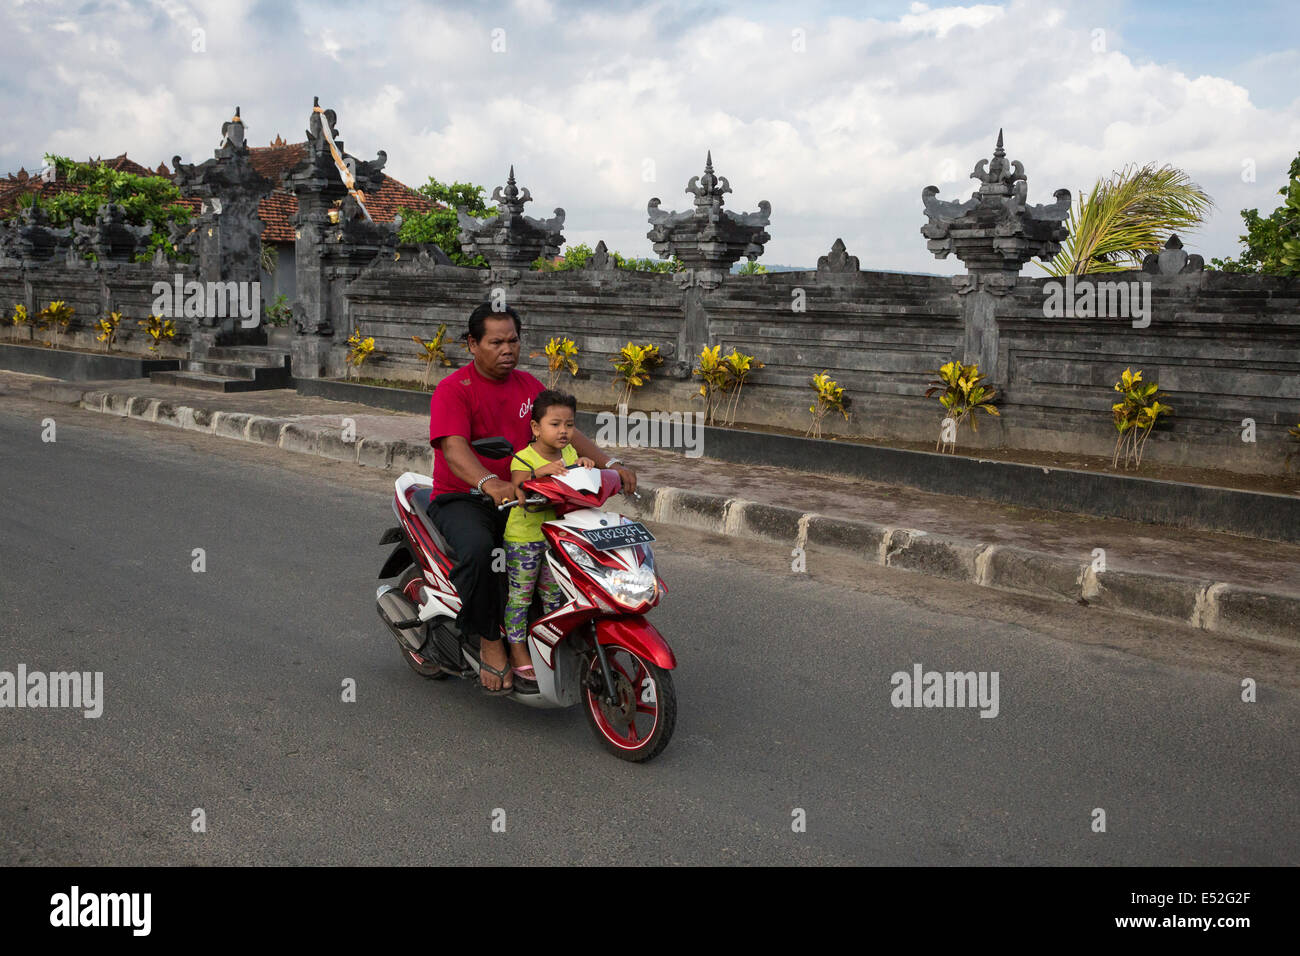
(526, 566)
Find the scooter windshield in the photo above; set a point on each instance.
(581, 479)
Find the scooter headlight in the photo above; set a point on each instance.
(631, 588)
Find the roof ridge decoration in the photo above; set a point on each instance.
(509, 240)
(708, 239)
(996, 231)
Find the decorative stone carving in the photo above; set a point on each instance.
(316, 180)
(1172, 260)
(511, 240)
(601, 260)
(228, 231)
(325, 251)
(111, 238)
(838, 260)
(995, 232)
(31, 238)
(708, 238)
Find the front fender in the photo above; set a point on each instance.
(638, 635)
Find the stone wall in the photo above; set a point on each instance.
(1224, 348)
(93, 290)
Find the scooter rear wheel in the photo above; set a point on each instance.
(640, 725)
(409, 584)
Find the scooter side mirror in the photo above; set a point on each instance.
(495, 448)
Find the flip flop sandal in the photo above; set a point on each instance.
(503, 689)
(531, 674)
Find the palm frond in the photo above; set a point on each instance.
(1126, 217)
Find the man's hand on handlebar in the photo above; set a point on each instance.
(501, 491)
(627, 475)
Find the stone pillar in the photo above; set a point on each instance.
(994, 233)
(708, 240)
(329, 251)
(228, 232)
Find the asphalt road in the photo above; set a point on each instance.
(223, 691)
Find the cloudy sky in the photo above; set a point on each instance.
(837, 113)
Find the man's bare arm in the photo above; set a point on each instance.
(464, 464)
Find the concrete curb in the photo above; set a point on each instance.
(1216, 607)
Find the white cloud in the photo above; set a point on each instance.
(944, 20)
(840, 138)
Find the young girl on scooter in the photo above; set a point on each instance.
(549, 453)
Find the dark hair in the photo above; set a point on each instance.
(479, 316)
(550, 398)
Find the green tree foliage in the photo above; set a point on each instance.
(440, 226)
(752, 268)
(575, 257)
(1126, 217)
(1272, 244)
(146, 200)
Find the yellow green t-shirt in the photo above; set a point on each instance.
(523, 525)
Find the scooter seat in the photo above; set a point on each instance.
(420, 499)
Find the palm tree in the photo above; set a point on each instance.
(1126, 217)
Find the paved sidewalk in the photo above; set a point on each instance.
(1216, 582)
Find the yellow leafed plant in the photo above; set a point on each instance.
(738, 367)
(1135, 416)
(632, 368)
(830, 397)
(157, 328)
(58, 316)
(561, 355)
(359, 350)
(713, 375)
(108, 327)
(962, 392)
(18, 318)
(434, 350)
(1295, 436)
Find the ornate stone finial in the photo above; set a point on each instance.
(512, 200)
(1172, 260)
(838, 260)
(708, 189)
(995, 231)
(278, 141)
(708, 238)
(999, 178)
(601, 260)
(316, 180)
(232, 135)
(511, 240)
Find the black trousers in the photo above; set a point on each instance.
(474, 528)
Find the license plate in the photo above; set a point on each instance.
(619, 536)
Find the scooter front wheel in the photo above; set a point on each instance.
(641, 723)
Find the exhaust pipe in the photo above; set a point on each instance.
(401, 617)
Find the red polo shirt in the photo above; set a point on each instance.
(466, 403)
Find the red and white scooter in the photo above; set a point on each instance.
(597, 650)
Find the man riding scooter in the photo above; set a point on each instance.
(488, 397)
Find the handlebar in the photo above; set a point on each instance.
(535, 499)
(530, 500)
